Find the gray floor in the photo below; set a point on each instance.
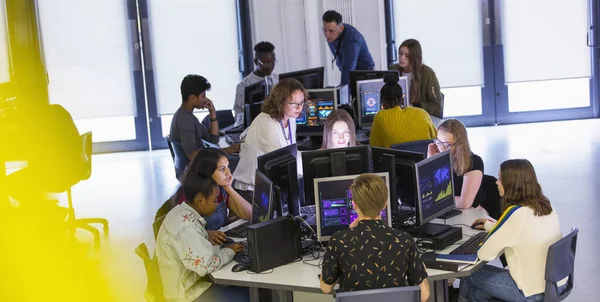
(128, 188)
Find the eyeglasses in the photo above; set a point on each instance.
(296, 105)
(440, 143)
(269, 64)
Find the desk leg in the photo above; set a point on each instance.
(276, 295)
(254, 294)
(439, 291)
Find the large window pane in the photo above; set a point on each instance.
(194, 37)
(4, 62)
(451, 45)
(87, 54)
(544, 95)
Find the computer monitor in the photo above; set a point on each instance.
(435, 186)
(251, 111)
(312, 78)
(401, 167)
(256, 93)
(369, 100)
(280, 167)
(332, 162)
(334, 204)
(262, 200)
(320, 103)
(361, 75)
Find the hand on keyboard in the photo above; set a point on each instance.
(217, 237)
(236, 247)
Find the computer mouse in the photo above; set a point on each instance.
(475, 225)
(240, 267)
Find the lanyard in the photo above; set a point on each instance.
(289, 131)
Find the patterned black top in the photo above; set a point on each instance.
(372, 255)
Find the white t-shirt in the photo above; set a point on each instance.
(263, 136)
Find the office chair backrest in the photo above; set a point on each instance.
(416, 146)
(154, 289)
(492, 197)
(160, 216)
(560, 264)
(170, 148)
(442, 102)
(224, 117)
(180, 160)
(404, 294)
(86, 140)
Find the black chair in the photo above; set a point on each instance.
(442, 102)
(492, 197)
(392, 294)
(224, 117)
(560, 264)
(180, 160)
(84, 223)
(416, 146)
(154, 289)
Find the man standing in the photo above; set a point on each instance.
(347, 44)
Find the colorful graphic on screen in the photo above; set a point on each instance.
(340, 211)
(315, 112)
(371, 103)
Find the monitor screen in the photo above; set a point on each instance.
(255, 93)
(319, 105)
(435, 187)
(251, 111)
(312, 78)
(361, 75)
(262, 200)
(332, 162)
(334, 208)
(402, 182)
(280, 167)
(369, 100)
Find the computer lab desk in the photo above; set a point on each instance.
(296, 281)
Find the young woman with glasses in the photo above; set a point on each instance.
(272, 129)
(467, 166)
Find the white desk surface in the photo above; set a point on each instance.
(298, 276)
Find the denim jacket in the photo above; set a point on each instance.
(185, 255)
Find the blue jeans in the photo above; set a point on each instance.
(224, 293)
(492, 283)
(218, 217)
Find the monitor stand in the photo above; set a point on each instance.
(428, 230)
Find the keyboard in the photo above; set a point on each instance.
(308, 210)
(239, 231)
(451, 214)
(233, 138)
(471, 246)
(233, 129)
(244, 256)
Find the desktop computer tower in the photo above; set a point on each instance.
(274, 243)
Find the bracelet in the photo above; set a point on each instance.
(213, 119)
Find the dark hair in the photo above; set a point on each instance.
(193, 84)
(391, 92)
(280, 94)
(332, 16)
(196, 183)
(263, 47)
(521, 187)
(416, 62)
(205, 162)
(339, 115)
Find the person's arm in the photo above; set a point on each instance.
(240, 206)
(501, 237)
(213, 129)
(350, 49)
(330, 271)
(268, 140)
(377, 132)
(471, 183)
(431, 100)
(416, 275)
(187, 136)
(431, 127)
(197, 253)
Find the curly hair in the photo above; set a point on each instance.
(281, 93)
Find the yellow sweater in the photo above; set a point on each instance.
(397, 126)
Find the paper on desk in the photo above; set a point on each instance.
(466, 259)
(233, 225)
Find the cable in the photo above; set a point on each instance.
(262, 273)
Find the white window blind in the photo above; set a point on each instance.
(88, 57)
(450, 35)
(4, 58)
(545, 40)
(194, 37)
